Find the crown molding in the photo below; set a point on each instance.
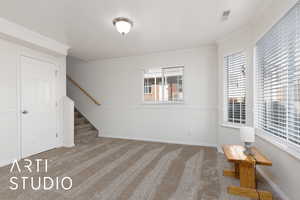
(21, 35)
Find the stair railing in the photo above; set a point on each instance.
(83, 90)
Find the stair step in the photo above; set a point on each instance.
(79, 118)
(83, 130)
(86, 133)
(76, 114)
(80, 121)
(80, 126)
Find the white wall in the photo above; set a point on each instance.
(118, 85)
(284, 174)
(68, 122)
(10, 95)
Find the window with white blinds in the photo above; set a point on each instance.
(235, 88)
(278, 79)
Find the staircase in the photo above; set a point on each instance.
(85, 132)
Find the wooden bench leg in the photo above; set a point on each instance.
(250, 193)
(233, 173)
(247, 175)
(237, 170)
(230, 173)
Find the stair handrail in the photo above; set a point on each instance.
(83, 90)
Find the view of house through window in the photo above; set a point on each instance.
(164, 85)
(235, 88)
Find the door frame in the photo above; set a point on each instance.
(43, 58)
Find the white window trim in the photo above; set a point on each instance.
(283, 145)
(165, 102)
(230, 125)
(225, 122)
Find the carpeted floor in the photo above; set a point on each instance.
(115, 169)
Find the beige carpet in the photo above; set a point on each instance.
(114, 169)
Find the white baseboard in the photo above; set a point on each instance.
(69, 146)
(160, 141)
(274, 186)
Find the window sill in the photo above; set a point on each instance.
(164, 103)
(282, 145)
(233, 126)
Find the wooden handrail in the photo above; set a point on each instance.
(83, 90)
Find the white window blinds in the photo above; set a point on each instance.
(278, 79)
(235, 88)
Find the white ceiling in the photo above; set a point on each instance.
(159, 25)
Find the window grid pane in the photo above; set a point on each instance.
(278, 79)
(235, 71)
(164, 85)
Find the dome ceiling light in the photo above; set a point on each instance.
(123, 25)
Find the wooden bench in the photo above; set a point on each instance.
(245, 170)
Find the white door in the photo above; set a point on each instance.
(38, 104)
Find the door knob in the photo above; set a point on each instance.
(24, 112)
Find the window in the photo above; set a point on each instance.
(278, 79)
(148, 82)
(235, 88)
(164, 85)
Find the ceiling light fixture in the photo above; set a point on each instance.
(123, 25)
